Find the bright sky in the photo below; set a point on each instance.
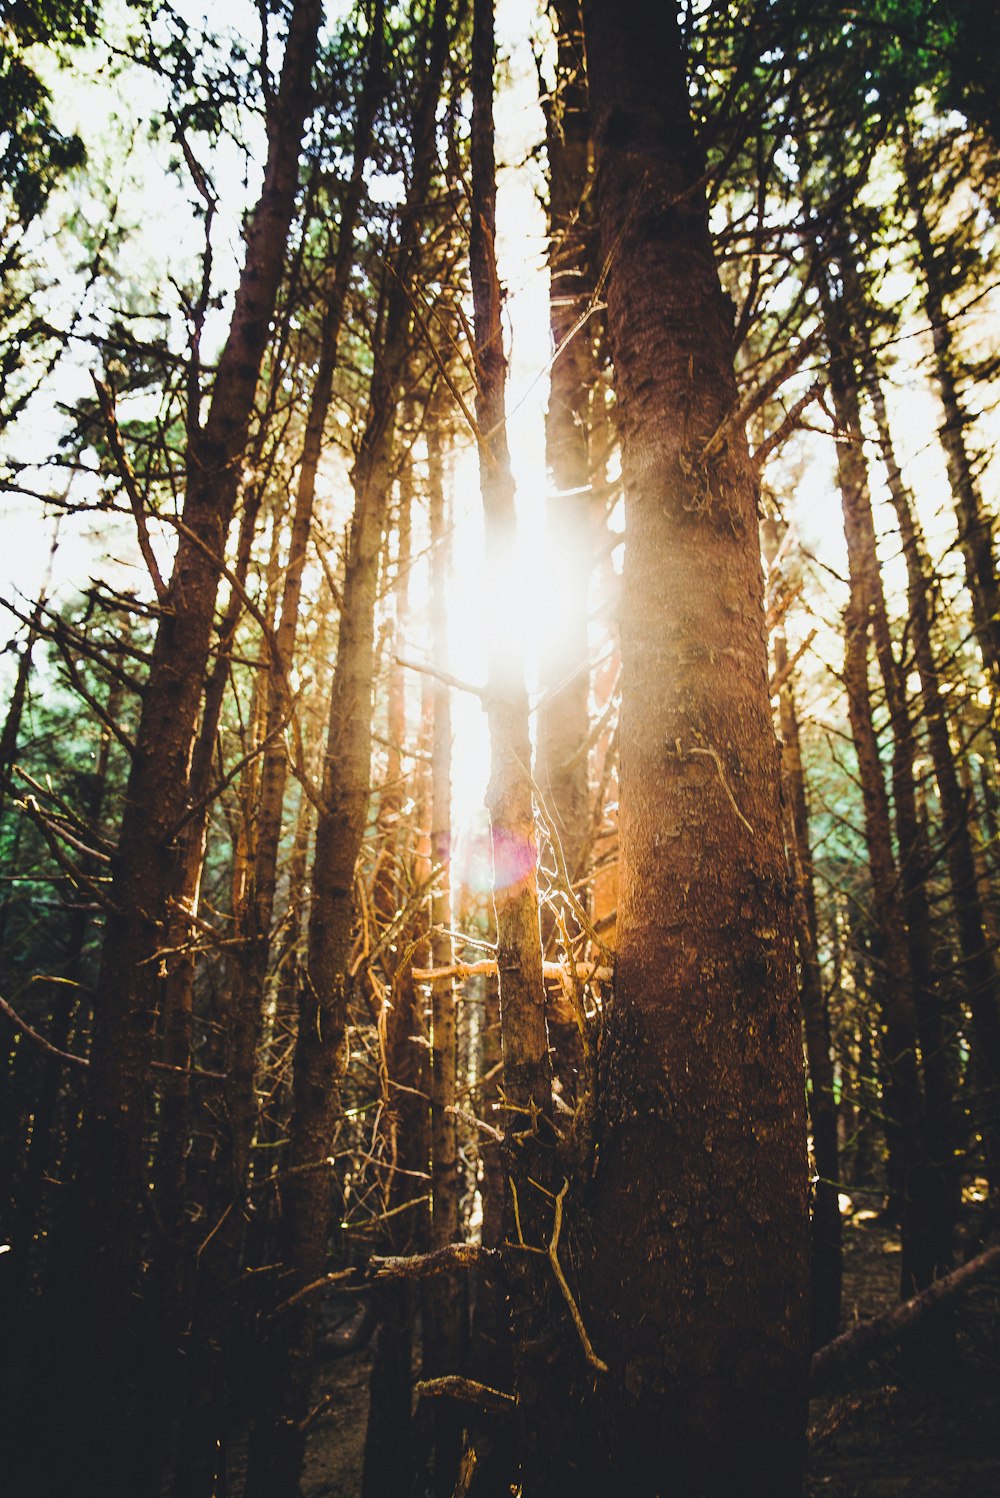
(165, 230)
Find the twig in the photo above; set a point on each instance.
(588, 1350)
(564, 877)
(711, 753)
(486, 967)
(311, 1289)
(445, 676)
(127, 475)
(780, 677)
(39, 1040)
(468, 1391)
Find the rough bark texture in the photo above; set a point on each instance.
(696, 1269)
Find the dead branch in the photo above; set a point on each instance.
(427, 1266)
(39, 1039)
(486, 967)
(563, 1283)
(127, 475)
(780, 677)
(468, 1391)
(69, 1056)
(883, 1333)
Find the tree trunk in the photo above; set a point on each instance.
(913, 1168)
(278, 1441)
(924, 1141)
(443, 1342)
(99, 1295)
(827, 1263)
(527, 1076)
(564, 718)
(975, 529)
(700, 1157)
(979, 972)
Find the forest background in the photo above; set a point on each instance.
(324, 439)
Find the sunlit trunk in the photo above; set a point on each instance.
(695, 1279)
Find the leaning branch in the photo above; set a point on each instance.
(873, 1338)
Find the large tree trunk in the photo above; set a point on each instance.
(101, 1284)
(697, 1255)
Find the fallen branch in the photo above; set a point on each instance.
(313, 1288)
(882, 1333)
(468, 1391)
(426, 1266)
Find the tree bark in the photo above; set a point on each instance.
(697, 1259)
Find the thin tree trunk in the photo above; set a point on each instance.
(701, 1129)
(913, 1167)
(975, 529)
(250, 964)
(564, 718)
(979, 972)
(926, 1127)
(278, 1442)
(443, 1350)
(99, 1293)
(527, 1076)
(827, 1261)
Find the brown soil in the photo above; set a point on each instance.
(336, 1450)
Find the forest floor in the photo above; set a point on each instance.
(920, 1425)
(910, 1427)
